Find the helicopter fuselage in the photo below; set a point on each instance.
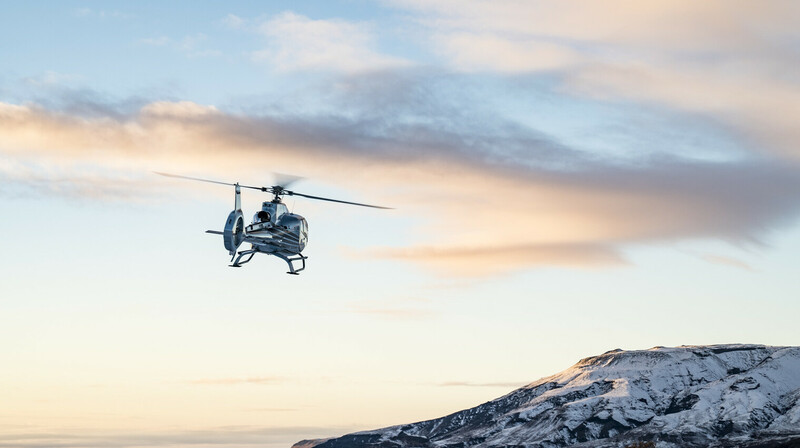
(277, 227)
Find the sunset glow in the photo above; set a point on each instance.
(566, 177)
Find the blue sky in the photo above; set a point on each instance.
(175, 50)
(568, 179)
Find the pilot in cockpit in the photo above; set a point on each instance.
(262, 216)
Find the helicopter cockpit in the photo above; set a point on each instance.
(270, 211)
(268, 216)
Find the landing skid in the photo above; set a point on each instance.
(290, 261)
(246, 255)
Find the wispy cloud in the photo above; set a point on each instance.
(727, 261)
(296, 42)
(233, 381)
(233, 21)
(269, 410)
(722, 60)
(479, 52)
(51, 79)
(101, 14)
(34, 179)
(191, 45)
(504, 385)
(491, 260)
(159, 41)
(394, 309)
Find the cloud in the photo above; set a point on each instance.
(271, 409)
(729, 61)
(51, 79)
(397, 309)
(101, 14)
(191, 45)
(491, 260)
(755, 107)
(234, 21)
(661, 26)
(178, 110)
(33, 180)
(232, 381)
(485, 194)
(726, 261)
(504, 385)
(159, 41)
(299, 43)
(476, 52)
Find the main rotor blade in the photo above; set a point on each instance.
(292, 193)
(285, 180)
(278, 190)
(177, 176)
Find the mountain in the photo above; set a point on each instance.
(690, 396)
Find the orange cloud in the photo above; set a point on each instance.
(727, 261)
(492, 260)
(475, 213)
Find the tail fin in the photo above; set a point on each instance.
(238, 201)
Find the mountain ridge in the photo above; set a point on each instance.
(689, 396)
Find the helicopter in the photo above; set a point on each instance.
(273, 231)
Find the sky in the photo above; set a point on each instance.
(567, 178)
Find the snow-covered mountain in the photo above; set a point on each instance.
(689, 396)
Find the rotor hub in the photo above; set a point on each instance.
(278, 191)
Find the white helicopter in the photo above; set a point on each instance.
(274, 230)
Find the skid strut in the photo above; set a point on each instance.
(246, 255)
(290, 261)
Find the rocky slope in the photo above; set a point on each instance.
(689, 396)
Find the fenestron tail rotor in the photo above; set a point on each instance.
(279, 190)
